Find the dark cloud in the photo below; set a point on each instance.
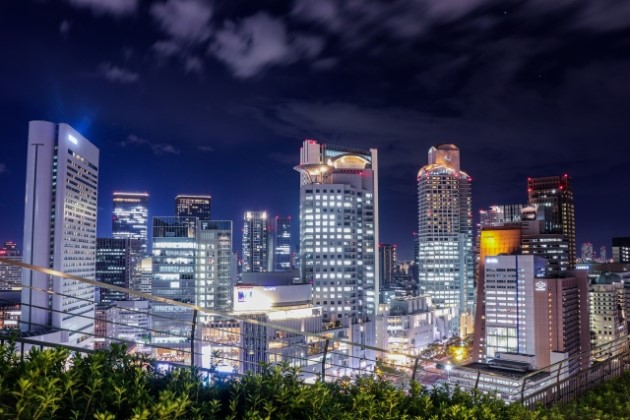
(3, 168)
(64, 28)
(156, 148)
(249, 46)
(114, 7)
(117, 74)
(184, 21)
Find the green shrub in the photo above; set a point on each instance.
(114, 385)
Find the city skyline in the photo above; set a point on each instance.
(524, 91)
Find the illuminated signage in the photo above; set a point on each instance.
(73, 139)
(245, 295)
(492, 260)
(540, 286)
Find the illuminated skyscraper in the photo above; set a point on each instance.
(60, 231)
(255, 242)
(339, 230)
(553, 195)
(130, 217)
(445, 250)
(192, 264)
(494, 240)
(280, 244)
(118, 263)
(193, 206)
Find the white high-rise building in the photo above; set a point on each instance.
(445, 249)
(60, 232)
(339, 231)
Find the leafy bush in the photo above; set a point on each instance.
(114, 385)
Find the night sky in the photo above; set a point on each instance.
(215, 97)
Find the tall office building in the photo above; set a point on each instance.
(118, 263)
(130, 217)
(587, 252)
(279, 244)
(553, 195)
(621, 250)
(603, 254)
(387, 258)
(10, 275)
(174, 250)
(445, 250)
(192, 264)
(60, 231)
(339, 230)
(546, 319)
(255, 242)
(494, 240)
(215, 283)
(193, 206)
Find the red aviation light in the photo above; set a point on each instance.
(3, 252)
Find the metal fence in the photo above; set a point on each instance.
(183, 334)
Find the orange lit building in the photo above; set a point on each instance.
(493, 241)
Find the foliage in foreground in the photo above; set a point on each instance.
(114, 385)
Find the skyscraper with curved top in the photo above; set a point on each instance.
(339, 230)
(445, 250)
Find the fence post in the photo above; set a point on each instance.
(477, 380)
(523, 390)
(324, 360)
(558, 381)
(192, 339)
(415, 369)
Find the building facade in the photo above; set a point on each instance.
(130, 217)
(174, 267)
(118, 263)
(280, 244)
(493, 241)
(10, 275)
(621, 250)
(445, 249)
(198, 206)
(214, 265)
(528, 314)
(192, 263)
(339, 230)
(387, 258)
(554, 196)
(607, 301)
(255, 242)
(60, 231)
